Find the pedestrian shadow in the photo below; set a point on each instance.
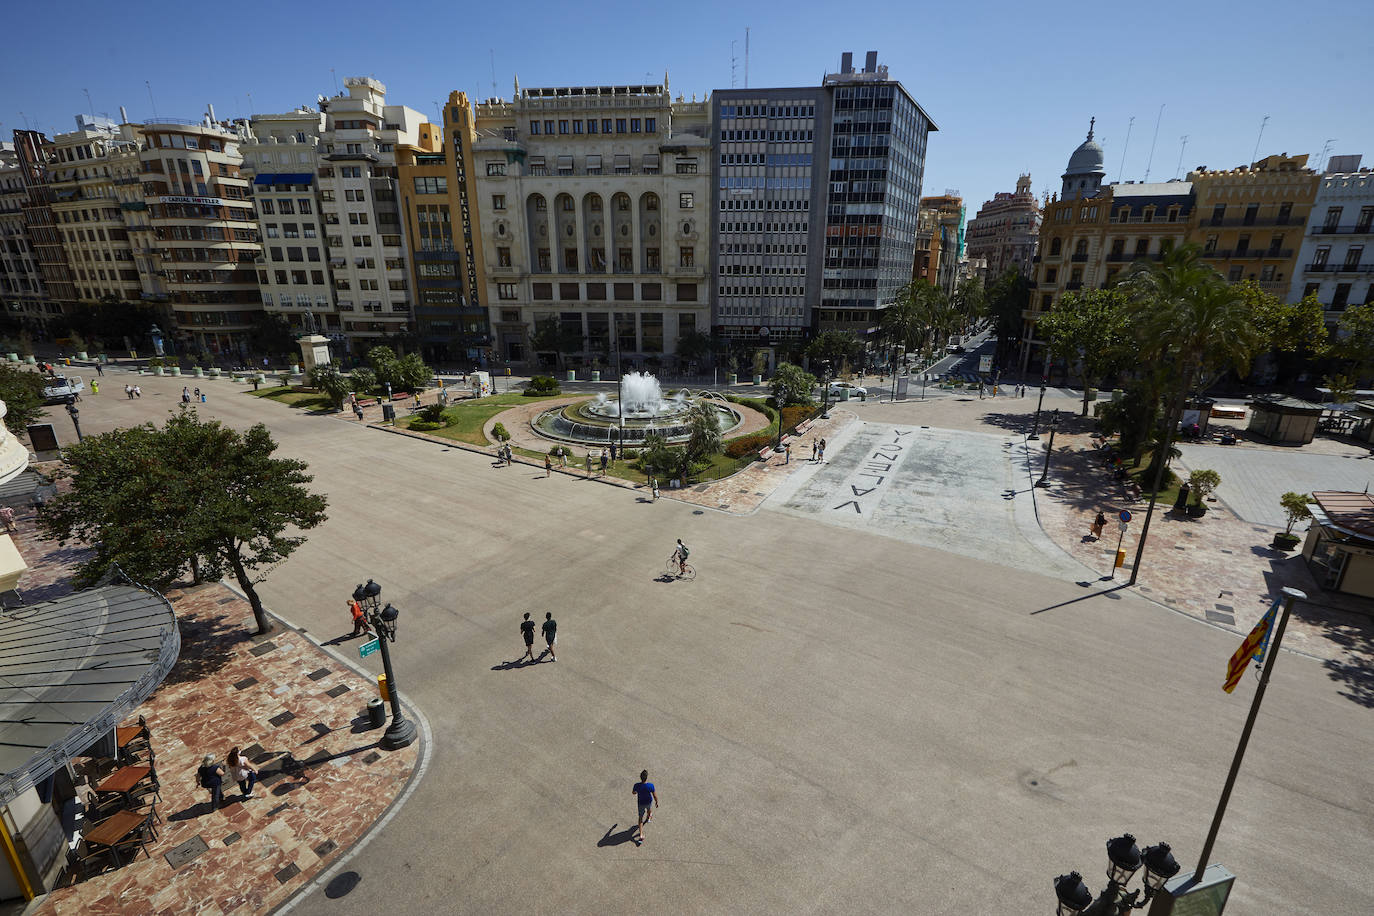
(192, 812)
(616, 839)
(512, 665)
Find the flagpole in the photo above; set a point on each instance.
(1271, 656)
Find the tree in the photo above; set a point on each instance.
(1295, 507)
(1191, 324)
(272, 335)
(1089, 330)
(696, 347)
(791, 384)
(412, 373)
(550, 337)
(836, 346)
(384, 363)
(1007, 299)
(704, 422)
(362, 380)
(1355, 339)
(969, 299)
(151, 499)
(22, 393)
(332, 382)
(1203, 482)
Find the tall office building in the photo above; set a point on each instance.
(815, 205)
(21, 282)
(40, 225)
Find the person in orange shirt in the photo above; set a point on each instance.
(360, 624)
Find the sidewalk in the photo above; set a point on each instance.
(294, 709)
(1217, 568)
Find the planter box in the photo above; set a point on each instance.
(758, 380)
(572, 375)
(81, 354)
(198, 372)
(30, 361)
(12, 357)
(176, 370)
(157, 370)
(596, 375)
(1197, 511)
(214, 372)
(1092, 394)
(1284, 541)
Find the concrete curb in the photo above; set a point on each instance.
(422, 763)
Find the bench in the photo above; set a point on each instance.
(765, 452)
(399, 395)
(367, 402)
(803, 427)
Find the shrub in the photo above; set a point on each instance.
(363, 380)
(432, 413)
(541, 385)
(791, 416)
(748, 445)
(425, 425)
(1203, 482)
(559, 450)
(500, 432)
(1295, 507)
(630, 454)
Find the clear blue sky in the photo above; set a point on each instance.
(1010, 84)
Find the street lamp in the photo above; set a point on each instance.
(1045, 472)
(401, 731)
(1036, 422)
(1124, 860)
(825, 389)
(72, 409)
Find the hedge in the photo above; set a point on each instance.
(747, 445)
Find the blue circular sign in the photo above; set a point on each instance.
(1125, 515)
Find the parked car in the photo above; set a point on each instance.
(57, 388)
(855, 391)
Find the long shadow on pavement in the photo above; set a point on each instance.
(616, 839)
(1108, 592)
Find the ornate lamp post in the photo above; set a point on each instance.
(401, 732)
(1124, 860)
(75, 412)
(1035, 424)
(1045, 471)
(825, 389)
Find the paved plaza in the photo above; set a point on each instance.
(839, 717)
(1253, 479)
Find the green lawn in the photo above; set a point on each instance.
(1167, 494)
(472, 415)
(306, 398)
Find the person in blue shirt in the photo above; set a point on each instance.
(647, 797)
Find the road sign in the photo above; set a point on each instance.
(984, 364)
(369, 647)
(1125, 516)
(1123, 525)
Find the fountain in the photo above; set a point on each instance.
(641, 410)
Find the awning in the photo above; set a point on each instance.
(286, 178)
(73, 669)
(565, 162)
(594, 161)
(536, 162)
(622, 160)
(651, 160)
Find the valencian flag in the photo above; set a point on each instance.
(1254, 646)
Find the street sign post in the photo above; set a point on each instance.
(369, 648)
(1123, 521)
(984, 365)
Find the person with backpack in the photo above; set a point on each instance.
(211, 776)
(681, 551)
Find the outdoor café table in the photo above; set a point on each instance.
(123, 780)
(115, 828)
(124, 734)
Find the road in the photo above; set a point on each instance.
(837, 719)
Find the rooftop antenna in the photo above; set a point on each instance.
(90, 103)
(746, 57)
(26, 120)
(1325, 149)
(1121, 172)
(438, 113)
(1150, 161)
(491, 52)
(250, 104)
(335, 77)
(1254, 157)
(150, 98)
(734, 62)
(1179, 168)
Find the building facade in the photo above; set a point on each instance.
(439, 202)
(948, 231)
(45, 239)
(1336, 258)
(1250, 219)
(594, 224)
(1006, 229)
(21, 282)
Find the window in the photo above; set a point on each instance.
(687, 166)
(651, 292)
(624, 260)
(563, 126)
(686, 292)
(495, 169)
(540, 204)
(1310, 289)
(437, 185)
(391, 241)
(543, 291)
(570, 259)
(498, 201)
(1267, 272)
(651, 259)
(1056, 246)
(620, 125)
(362, 241)
(1352, 256)
(545, 260)
(650, 125)
(335, 241)
(351, 171)
(357, 219)
(272, 231)
(577, 126)
(534, 129)
(503, 257)
(1218, 214)
(568, 204)
(303, 206)
(265, 205)
(1319, 257)
(1051, 274)
(634, 125)
(1242, 245)
(1251, 214)
(1210, 246)
(1235, 274)
(686, 256)
(685, 200)
(317, 277)
(507, 290)
(607, 126)
(1341, 297)
(591, 125)
(1333, 218)
(596, 292)
(327, 196)
(548, 125)
(569, 292)
(1142, 247)
(1366, 220)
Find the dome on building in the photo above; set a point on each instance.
(1088, 158)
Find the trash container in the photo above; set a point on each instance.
(376, 712)
(382, 688)
(1120, 559)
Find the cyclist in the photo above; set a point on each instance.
(681, 551)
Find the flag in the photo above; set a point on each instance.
(1254, 645)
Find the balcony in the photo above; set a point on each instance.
(1230, 254)
(1260, 221)
(1074, 284)
(1352, 269)
(1361, 228)
(1079, 258)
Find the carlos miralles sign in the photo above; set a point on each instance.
(198, 201)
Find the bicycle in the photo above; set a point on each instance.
(686, 571)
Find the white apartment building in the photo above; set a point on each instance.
(87, 211)
(1336, 261)
(21, 282)
(361, 214)
(282, 161)
(595, 213)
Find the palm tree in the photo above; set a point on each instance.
(1190, 321)
(704, 423)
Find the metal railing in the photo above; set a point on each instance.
(1361, 228)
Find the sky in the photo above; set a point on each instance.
(1011, 85)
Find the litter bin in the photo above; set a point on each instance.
(376, 712)
(1120, 559)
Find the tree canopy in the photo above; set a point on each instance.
(22, 393)
(790, 385)
(153, 499)
(1089, 330)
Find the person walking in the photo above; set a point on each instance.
(548, 466)
(603, 462)
(562, 457)
(821, 454)
(138, 391)
(95, 387)
(589, 462)
(185, 395)
(510, 457)
(211, 776)
(129, 392)
(360, 624)
(646, 796)
(1098, 524)
(550, 629)
(653, 485)
(787, 450)
(813, 449)
(241, 771)
(612, 453)
(99, 369)
(527, 631)
(197, 397)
